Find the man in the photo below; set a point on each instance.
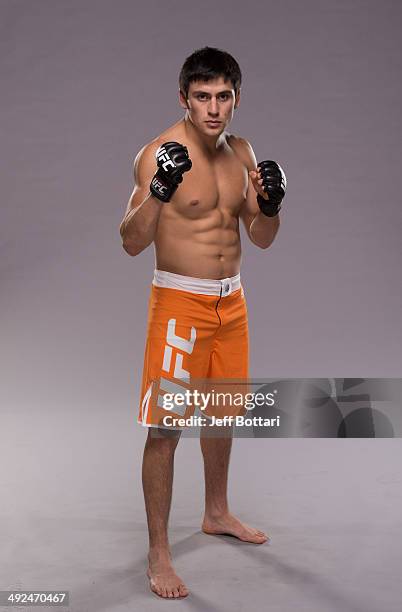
(192, 184)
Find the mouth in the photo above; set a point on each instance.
(213, 123)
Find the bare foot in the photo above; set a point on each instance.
(163, 580)
(228, 524)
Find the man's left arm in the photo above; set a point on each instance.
(261, 228)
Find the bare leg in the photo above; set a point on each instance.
(157, 480)
(217, 518)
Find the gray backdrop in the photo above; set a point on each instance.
(84, 85)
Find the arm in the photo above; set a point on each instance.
(140, 222)
(260, 229)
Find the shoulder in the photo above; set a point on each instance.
(244, 151)
(144, 161)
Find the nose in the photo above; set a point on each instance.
(213, 109)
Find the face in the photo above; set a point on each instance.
(210, 105)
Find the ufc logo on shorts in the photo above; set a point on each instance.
(173, 341)
(162, 156)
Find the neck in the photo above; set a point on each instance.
(208, 143)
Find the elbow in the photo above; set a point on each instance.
(131, 249)
(265, 245)
(261, 243)
(268, 243)
(134, 247)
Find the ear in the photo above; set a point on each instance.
(237, 99)
(183, 100)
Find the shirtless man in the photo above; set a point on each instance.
(192, 184)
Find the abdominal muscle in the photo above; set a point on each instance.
(206, 247)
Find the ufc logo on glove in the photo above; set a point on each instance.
(162, 156)
(158, 185)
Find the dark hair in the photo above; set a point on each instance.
(209, 63)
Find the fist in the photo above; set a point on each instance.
(269, 181)
(173, 161)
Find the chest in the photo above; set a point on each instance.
(211, 184)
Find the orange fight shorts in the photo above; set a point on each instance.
(197, 330)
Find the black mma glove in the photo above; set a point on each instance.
(172, 160)
(274, 184)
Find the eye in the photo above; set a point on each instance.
(224, 97)
(201, 97)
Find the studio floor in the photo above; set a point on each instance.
(72, 518)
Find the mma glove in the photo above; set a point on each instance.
(173, 161)
(274, 184)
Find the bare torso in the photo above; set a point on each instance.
(198, 230)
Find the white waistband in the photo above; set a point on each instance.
(206, 286)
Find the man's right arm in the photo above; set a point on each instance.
(140, 222)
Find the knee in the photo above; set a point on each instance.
(165, 445)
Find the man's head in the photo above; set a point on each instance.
(210, 81)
